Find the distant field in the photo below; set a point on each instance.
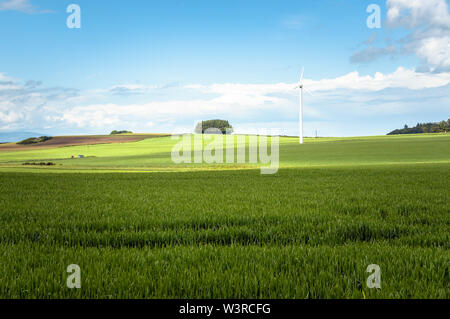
(226, 231)
(154, 154)
(64, 141)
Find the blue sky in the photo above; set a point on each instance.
(159, 66)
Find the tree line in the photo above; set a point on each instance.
(436, 127)
(35, 140)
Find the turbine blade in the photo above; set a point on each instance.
(309, 91)
(301, 76)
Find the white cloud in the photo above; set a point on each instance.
(17, 5)
(27, 105)
(23, 105)
(7, 83)
(416, 13)
(401, 78)
(429, 22)
(243, 101)
(435, 50)
(137, 89)
(372, 53)
(20, 5)
(127, 89)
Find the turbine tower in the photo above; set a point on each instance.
(300, 87)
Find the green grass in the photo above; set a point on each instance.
(309, 231)
(155, 153)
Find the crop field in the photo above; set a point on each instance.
(140, 226)
(63, 141)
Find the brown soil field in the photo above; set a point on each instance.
(61, 141)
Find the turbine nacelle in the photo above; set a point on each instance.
(300, 83)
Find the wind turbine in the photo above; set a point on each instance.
(300, 86)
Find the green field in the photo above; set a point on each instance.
(155, 154)
(140, 226)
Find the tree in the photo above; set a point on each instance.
(434, 128)
(120, 132)
(220, 126)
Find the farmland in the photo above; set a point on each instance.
(63, 141)
(141, 226)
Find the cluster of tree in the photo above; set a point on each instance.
(120, 132)
(214, 127)
(34, 140)
(437, 127)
